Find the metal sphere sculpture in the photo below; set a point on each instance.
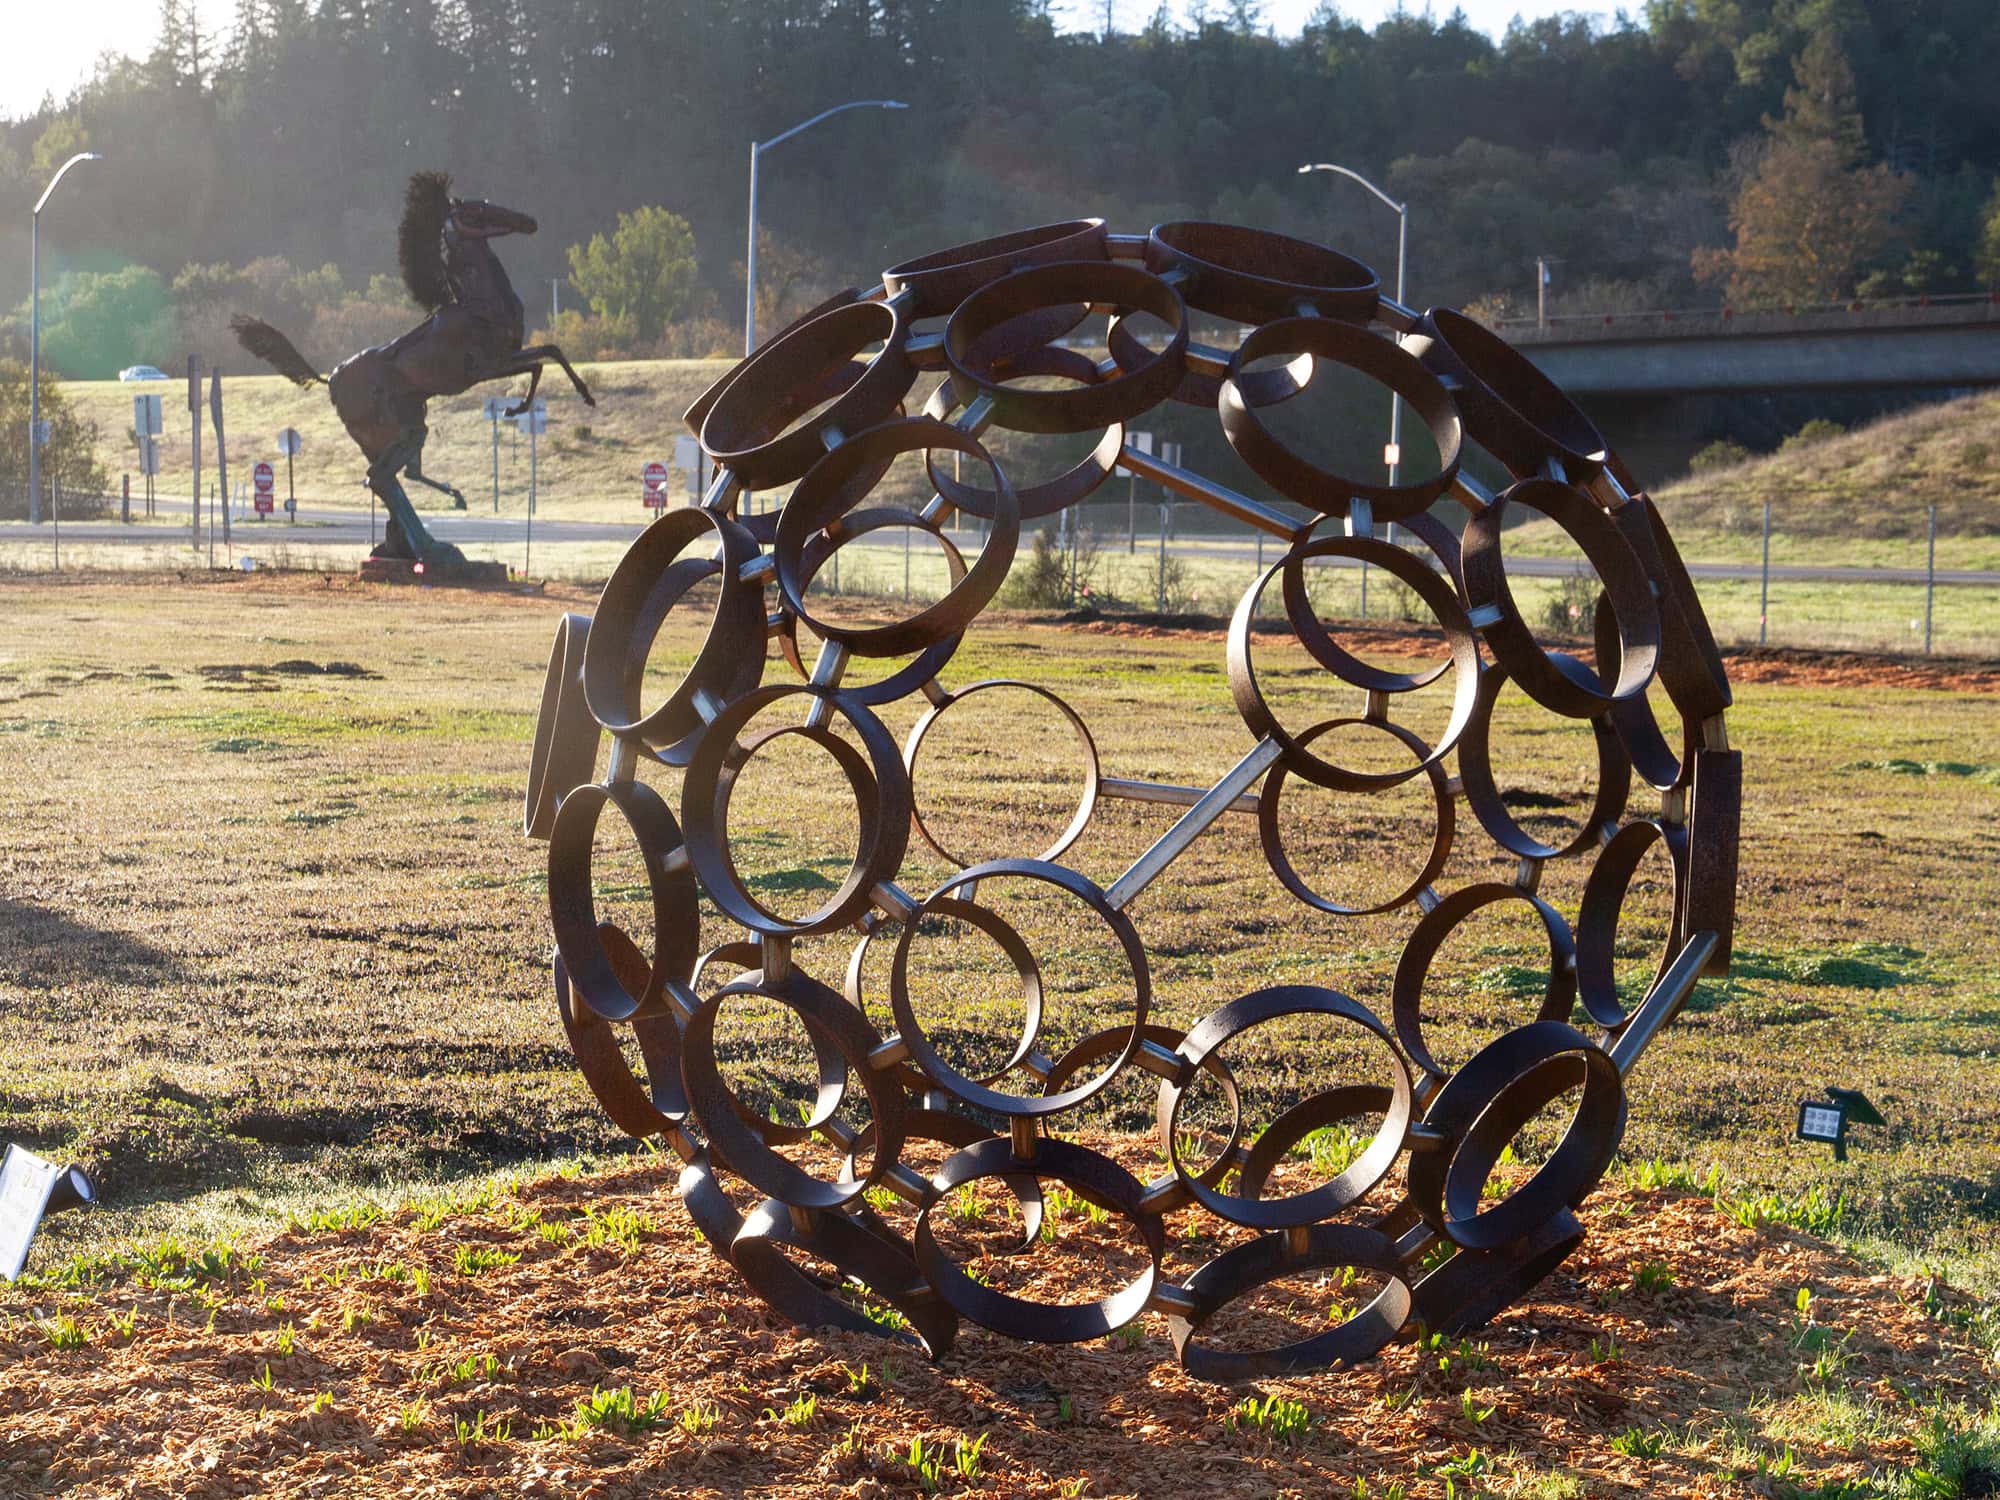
(822, 407)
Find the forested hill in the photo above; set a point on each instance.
(282, 145)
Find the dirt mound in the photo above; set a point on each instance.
(574, 1337)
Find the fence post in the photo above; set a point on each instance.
(906, 565)
(1131, 513)
(1930, 579)
(1764, 595)
(1160, 606)
(55, 516)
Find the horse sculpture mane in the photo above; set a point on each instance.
(426, 203)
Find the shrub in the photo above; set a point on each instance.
(1723, 453)
(1572, 609)
(1818, 430)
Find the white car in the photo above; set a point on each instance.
(142, 372)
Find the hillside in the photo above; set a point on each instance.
(1873, 483)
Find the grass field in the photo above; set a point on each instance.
(273, 937)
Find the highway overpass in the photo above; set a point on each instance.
(1947, 344)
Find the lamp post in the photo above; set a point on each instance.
(35, 336)
(757, 148)
(1402, 247)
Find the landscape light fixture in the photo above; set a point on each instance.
(1826, 1120)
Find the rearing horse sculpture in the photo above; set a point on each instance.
(473, 334)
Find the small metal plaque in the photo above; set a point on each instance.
(26, 1185)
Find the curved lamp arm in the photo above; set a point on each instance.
(1327, 166)
(53, 181)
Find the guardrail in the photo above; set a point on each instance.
(1708, 322)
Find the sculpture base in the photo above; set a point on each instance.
(408, 570)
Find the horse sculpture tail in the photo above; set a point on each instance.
(271, 346)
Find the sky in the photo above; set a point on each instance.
(55, 46)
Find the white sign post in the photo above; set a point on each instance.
(290, 444)
(688, 459)
(1143, 443)
(534, 421)
(146, 428)
(495, 409)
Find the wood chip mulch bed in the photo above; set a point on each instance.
(389, 1389)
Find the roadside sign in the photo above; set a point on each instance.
(146, 415)
(289, 442)
(1139, 442)
(262, 479)
(496, 407)
(654, 494)
(687, 453)
(149, 455)
(536, 420)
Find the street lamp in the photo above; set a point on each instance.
(35, 337)
(1402, 246)
(750, 257)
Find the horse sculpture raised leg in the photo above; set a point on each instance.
(473, 334)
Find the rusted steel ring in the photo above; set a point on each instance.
(640, 1110)
(1086, 1173)
(1444, 603)
(573, 902)
(1087, 408)
(741, 1144)
(1511, 409)
(928, 662)
(1690, 662)
(1254, 275)
(653, 575)
(969, 1090)
(1106, 1043)
(1483, 795)
(836, 382)
(1472, 1114)
(881, 794)
(1254, 1009)
(566, 735)
(832, 1067)
(957, 1132)
(1381, 360)
(1328, 1107)
(1256, 712)
(1074, 484)
(1270, 1257)
(853, 1247)
(1468, 1290)
(820, 501)
(1561, 683)
(784, 380)
(938, 282)
(1086, 804)
(1604, 898)
(1271, 832)
(1558, 994)
(1257, 387)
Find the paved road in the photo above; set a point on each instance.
(330, 527)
